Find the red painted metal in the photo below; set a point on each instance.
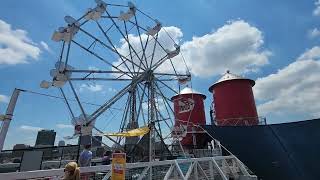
(189, 111)
(234, 102)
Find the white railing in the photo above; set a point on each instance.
(45, 164)
(241, 121)
(219, 167)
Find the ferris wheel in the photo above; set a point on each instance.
(133, 50)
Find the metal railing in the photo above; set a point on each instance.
(241, 121)
(219, 167)
(53, 157)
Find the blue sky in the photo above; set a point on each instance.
(273, 42)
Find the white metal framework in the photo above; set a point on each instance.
(219, 167)
(140, 58)
(6, 119)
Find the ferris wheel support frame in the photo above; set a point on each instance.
(141, 72)
(7, 118)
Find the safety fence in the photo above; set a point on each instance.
(52, 157)
(219, 167)
(241, 121)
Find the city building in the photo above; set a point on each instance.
(45, 138)
(17, 150)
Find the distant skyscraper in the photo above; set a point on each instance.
(45, 138)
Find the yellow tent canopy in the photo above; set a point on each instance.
(132, 133)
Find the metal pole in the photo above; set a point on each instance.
(152, 121)
(8, 117)
(79, 147)
(151, 99)
(62, 153)
(150, 150)
(194, 139)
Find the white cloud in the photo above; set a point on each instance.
(4, 98)
(15, 46)
(91, 87)
(110, 89)
(93, 68)
(236, 46)
(64, 126)
(45, 46)
(316, 11)
(292, 90)
(313, 53)
(30, 128)
(314, 33)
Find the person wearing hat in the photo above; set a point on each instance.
(71, 171)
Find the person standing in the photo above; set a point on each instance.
(106, 160)
(85, 156)
(85, 160)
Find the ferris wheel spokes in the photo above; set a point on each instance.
(100, 58)
(136, 62)
(142, 47)
(78, 101)
(105, 45)
(115, 49)
(67, 103)
(124, 37)
(129, 47)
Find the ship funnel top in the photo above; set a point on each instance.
(188, 90)
(230, 76)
